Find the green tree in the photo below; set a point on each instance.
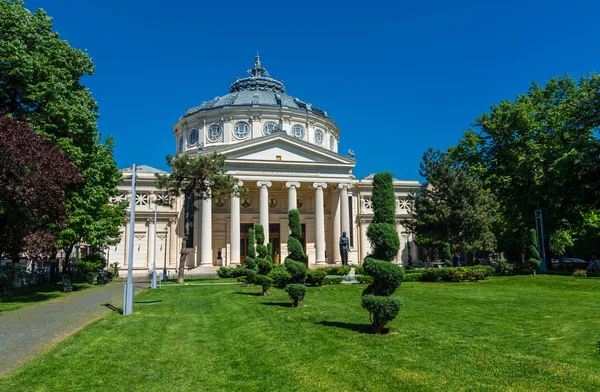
(202, 176)
(540, 151)
(534, 254)
(453, 207)
(559, 241)
(40, 83)
(382, 231)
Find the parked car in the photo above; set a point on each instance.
(594, 266)
(572, 260)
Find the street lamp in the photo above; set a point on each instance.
(165, 266)
(128, 295)
(153, 285)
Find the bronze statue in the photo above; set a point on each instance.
(344, 248)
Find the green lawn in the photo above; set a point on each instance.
(522, 333)
(29, 295)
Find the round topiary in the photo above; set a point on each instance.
(387, 277)
(280, 277)
(296, 292)
(264, 281)
(315, 277)
(264, 266)
(297, 270)
(384, 241)
(382, 310)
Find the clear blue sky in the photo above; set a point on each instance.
(398, 77)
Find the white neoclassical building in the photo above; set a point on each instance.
(285, 152)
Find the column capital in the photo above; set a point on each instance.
(260, 184)
(317, 185)
(343, 185)
(290, 184)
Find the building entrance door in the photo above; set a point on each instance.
(244, 240)
(274, 239)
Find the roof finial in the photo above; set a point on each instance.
(257, 60)
(258, 71)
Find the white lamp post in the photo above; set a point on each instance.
(128, 296)
(154, 255)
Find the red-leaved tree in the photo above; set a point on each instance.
(33, 177)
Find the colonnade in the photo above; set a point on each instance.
(341, 219)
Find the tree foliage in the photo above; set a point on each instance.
(40, 82)
(33, 177)
(295, 249)
(541, 151)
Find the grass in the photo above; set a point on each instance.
(202, 280)
(522, 333)
(24, 296)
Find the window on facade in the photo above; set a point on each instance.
(188, 221)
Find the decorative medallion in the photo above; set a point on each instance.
(319, 137)
(193, 137)
(270, 127)
(272, 202)
(241, 130)
(219, 202)
(299, 202)
(214, 132)
(331, 142)
(298, 132)
(246, 202)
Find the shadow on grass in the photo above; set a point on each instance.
(113, 308)
(362, 328)
(282, 304)
(251, 294)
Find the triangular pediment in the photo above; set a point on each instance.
(282, 149)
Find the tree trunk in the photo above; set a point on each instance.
(181, 270)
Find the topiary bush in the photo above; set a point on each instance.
(264, 266)
(269, 252)
(341, 270)
(431, 275)
(260, 236)
(297, 270)
(332, 280)
(296, 292)
(251, 263)
(448, 263)
(251, 247)
(294, 224)
(412, 277)
(281, 278)
(384, 241)
(504, 268)
(264, 281)
(295, 250)
(387, 277)
(448, 255)
(315, 277)
(382, 309)
(250, 275)
(225, 272)
(364, 279)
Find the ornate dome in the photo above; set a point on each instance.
(259, 89)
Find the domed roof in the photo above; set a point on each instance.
(259, 89)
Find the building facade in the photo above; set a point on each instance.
(285, 152)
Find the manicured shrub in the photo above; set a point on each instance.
(364, 279)
(382, 309)
(534, 255)
(360, 270)
(453, 274)
(341, 270)
(487, 269)
(476, 274)
(315, 277)
(384, 199)
(264, 266)
(239, 271)
(250, 275)
(297, 270)
(251, 263)
(294, 224)
(504, 268)
(457, 274)
(251, 247)
(431, 275)
(296, 292)
(269, 252)
(579, 274)
(384, 241)
(534, 264)
(280, 278)
(332, 280)
(264, 281)
(412, 277)
(295, 250)
(225, 272)
(242, 279)
(387, 277)
(260, 236)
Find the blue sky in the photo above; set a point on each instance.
(398, 77)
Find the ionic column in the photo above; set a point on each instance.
(234, 229)
(292, 197)
(319, 222)
(365, 245)
(206, 236)
(264, 207)
(174, 242)
(335, 208)
(345, 218)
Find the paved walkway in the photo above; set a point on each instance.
(26, 332)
